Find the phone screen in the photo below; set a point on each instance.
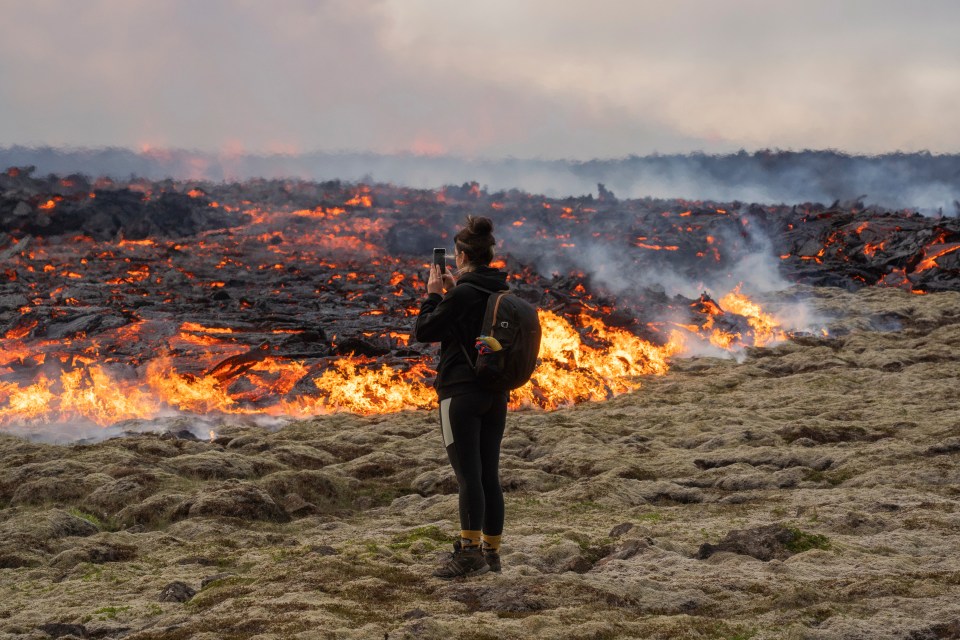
(440, 259)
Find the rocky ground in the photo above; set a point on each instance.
(811, 491)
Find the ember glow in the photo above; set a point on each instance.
(306, 307)
(933, 253)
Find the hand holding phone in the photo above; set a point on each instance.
(440, 277)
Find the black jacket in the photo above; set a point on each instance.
(453, 320)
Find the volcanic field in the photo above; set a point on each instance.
(241, 343)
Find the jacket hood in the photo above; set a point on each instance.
(486, 277)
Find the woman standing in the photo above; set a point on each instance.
(472, 418)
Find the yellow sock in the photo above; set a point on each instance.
(493, 542)
(470, 538)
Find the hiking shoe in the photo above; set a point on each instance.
(492, 556)
(462, 563)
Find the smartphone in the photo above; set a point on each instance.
(440, 259)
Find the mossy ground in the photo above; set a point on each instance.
(851, 441)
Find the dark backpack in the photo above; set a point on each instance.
(515, 327)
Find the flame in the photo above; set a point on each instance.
(14, 352)
(724, 339)
(88, 393)
(26, 403)
(766, 329)
(215, 369)
(351, 385)
(92, 394)
(199, 394)
(571, 371)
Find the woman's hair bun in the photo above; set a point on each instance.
(476, 240)
(479, 226)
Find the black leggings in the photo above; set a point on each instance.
(473, 426)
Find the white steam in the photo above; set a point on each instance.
(201, 427)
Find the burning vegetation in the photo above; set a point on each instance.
(129, 300)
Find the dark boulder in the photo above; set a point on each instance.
(176, 592)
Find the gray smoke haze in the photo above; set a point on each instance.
(921, 181)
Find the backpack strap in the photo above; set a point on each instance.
(466, 355)
(496, 309)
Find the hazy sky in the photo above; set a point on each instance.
(530, 78)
